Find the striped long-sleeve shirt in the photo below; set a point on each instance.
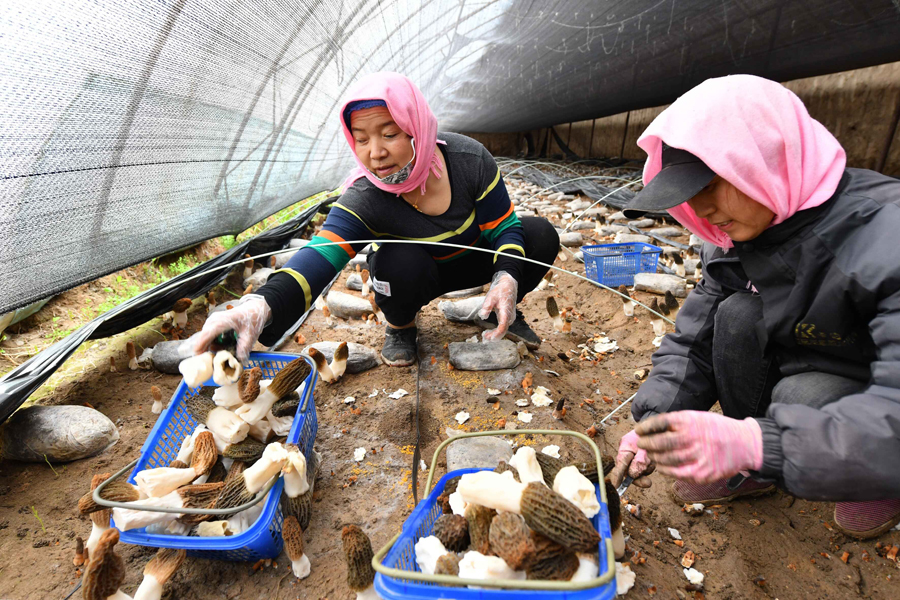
(480, 215)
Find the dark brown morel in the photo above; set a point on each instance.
(551, 515)
(511, 540)
(358, 554)
(503, 467)
(555, 568)
(479, 519)
(453, 531)
(447, 564)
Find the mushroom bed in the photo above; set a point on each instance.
(767, 547)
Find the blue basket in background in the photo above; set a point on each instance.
(617, 264)
(263, 538)
(420, 524)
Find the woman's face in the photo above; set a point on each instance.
(379, 143)
(735, 213)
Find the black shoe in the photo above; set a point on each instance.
(518, 331)
(400, 347)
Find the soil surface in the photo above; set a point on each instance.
(768, 547)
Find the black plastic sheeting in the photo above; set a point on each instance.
(131, 129)
(20, 383)
(588, 185)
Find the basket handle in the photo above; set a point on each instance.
(453, 580)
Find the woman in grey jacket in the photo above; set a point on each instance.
(795, 327)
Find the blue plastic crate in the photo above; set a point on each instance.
(617, 264)
(421, 523)
(263, 538)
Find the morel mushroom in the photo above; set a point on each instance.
(545, 511)
(553, 310)
(325, 373)
(105, 570)
(179, 312)
(427, 551)
(453, 532)
(358, 554)
(285, 381)
(293, 546)
(132, 356)
(300, 506)
(158, 572)
(229, 427)
(339, 361)
(614, 507)
(244, 487)
(190, 496)
(197, 369)
(158, 482)
(226, 368)
(577, 489)
(556, 568)
(479, 519)
(157, 400)
(627, 302)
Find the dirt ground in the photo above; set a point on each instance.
(770, 547)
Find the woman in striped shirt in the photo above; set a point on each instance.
(414, 184)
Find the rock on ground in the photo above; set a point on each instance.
(469, 453)
(632, 238)
(642, 223)
(361, 358)
(571, 239)
(491, 356)
(463, 310)
(359, 259)
(354, 282)
(259, 278)
(660, 283)
(613, 229)
(464, 293)
(166, 356)
(617, 216)
(56, 434)
(281, 259)
(346, 306)
(668, 231)
(581, 225)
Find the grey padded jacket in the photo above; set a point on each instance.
(829, 279)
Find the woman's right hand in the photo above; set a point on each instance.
(633, 461)
(247, 319)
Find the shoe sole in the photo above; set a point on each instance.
(398, 363)
(864, 535)
(760, 492)
(487, 326)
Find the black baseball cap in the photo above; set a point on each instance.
(681, 178)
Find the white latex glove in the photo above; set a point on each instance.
(247, 319)
(501, 300)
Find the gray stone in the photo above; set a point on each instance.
(361, 358)
(552, 210)
(579, 256)
(56, 434)
(582, 225)
(525, 213)
(597, 211)
(464, 293)
(490, 356)
(669, 250)
(480, 452)
(166, 356)
(617, 216)
(281, 259)
(613, 229)
(669, 231)
(632, 238)
(578, 204)
(259, 278)
(571, 239)
(346, 306)
(359, 259)
(354, 282)
(463, 310)
(642, 223)
(660, 283)
(297, 243)
(690, 265)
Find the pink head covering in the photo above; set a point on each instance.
(411, 112)
(757, 135)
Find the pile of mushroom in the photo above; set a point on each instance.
(522, 521)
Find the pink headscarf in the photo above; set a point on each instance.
(412, 114)
(757, 135)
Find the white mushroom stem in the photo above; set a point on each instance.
(368, 594)
(133, 518)
(475, 565)
(280, 425)
(427, 551)
(256, 410)
(338, 366)
(120, 595)
(525, 462)
(659, 326)
(150, 589)
(213, 529)
(628, 308)
(157, 407)
(679, 269)
(186, 452)
(226, 368)
(301, 567)
(457, 504)
(91, 543)
(227, 396)
(618, 540)
(180, 319)
(227, 425)
(271, 462)
(158, 482)
(499, 491)
(295, 482)
(261, 430)
(577, 489)
(587, 568)
(197, 369)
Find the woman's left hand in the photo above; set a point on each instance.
(700, 446)
(500, 299)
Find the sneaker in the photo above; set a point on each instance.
(518, 331)
(866, 519)
(400, 346)
(685, 492)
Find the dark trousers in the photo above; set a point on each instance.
(748, 381)
(416, 279)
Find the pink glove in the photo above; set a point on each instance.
(247, 319)
(500, 299)
(632, 461)
(700, 446)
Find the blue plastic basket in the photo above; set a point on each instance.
(617, 264)
(421, 523)
(263, 538)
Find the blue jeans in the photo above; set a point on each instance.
(748, 381)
